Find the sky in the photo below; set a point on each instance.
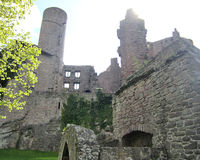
(91, 32)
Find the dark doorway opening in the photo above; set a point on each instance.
(65, 155)
(137, 139)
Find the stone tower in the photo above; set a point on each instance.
(133, 46)
(110, 80)
(51, 41)
(40, 118)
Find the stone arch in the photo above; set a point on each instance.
(78, 143)
(65, 154)
(137, 139)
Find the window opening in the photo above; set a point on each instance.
(67, 73)
(58, 105)
(87, 91)
(66, 85)
(76, 86)
(77, 74)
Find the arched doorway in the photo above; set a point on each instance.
(137, 139)
(65, 155)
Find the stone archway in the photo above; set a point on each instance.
(78, 143)
(137, 139)
(65, 155)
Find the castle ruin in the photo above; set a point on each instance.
(156, 106)
(37, 126)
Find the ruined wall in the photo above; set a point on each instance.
(110, 80)
(155, 47)
(81, 143)
(78, 143)
(163, 100)
(133, 47)
(30, 128)
(49, 75)
(36, 127)
(79, 79)
(51, 40)
(130, 153)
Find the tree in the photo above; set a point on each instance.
(18, 57)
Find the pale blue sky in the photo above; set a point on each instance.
(91, 37)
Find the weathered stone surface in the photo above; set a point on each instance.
(43, 137)
(132, 153)
(78, 143)
(84, 76)
(51, 41)
(133, 48)
(159, 100)
(107, 139)
(110, 80)
(29, 128)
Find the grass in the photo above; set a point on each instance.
(14, 154)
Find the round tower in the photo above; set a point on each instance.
(52, 33)
(51, 41)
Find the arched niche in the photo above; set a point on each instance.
(65, 155)
(137, 139)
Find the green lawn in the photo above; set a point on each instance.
(13, 154)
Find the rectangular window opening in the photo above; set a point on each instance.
(77, 74)
(76, 86)
(67, 73)
(66, 85)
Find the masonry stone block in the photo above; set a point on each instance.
(78, 143)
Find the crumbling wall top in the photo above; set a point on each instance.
(54, 14)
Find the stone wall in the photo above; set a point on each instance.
(156, 47)
(162, 99)
(37, 126)
(49, 74)
(133, 47)
(52, 33)
(30, 128)
(110, 80)
(78, 143)
(79, 79)
(51, 41)
(132, 153)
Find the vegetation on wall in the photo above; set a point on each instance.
(18, 59)
(93, 114)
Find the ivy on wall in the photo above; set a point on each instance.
(93, 114)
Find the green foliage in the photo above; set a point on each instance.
(101, 110)
(13, 154)
(18, 59)
(88, 113)
(75, 111)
